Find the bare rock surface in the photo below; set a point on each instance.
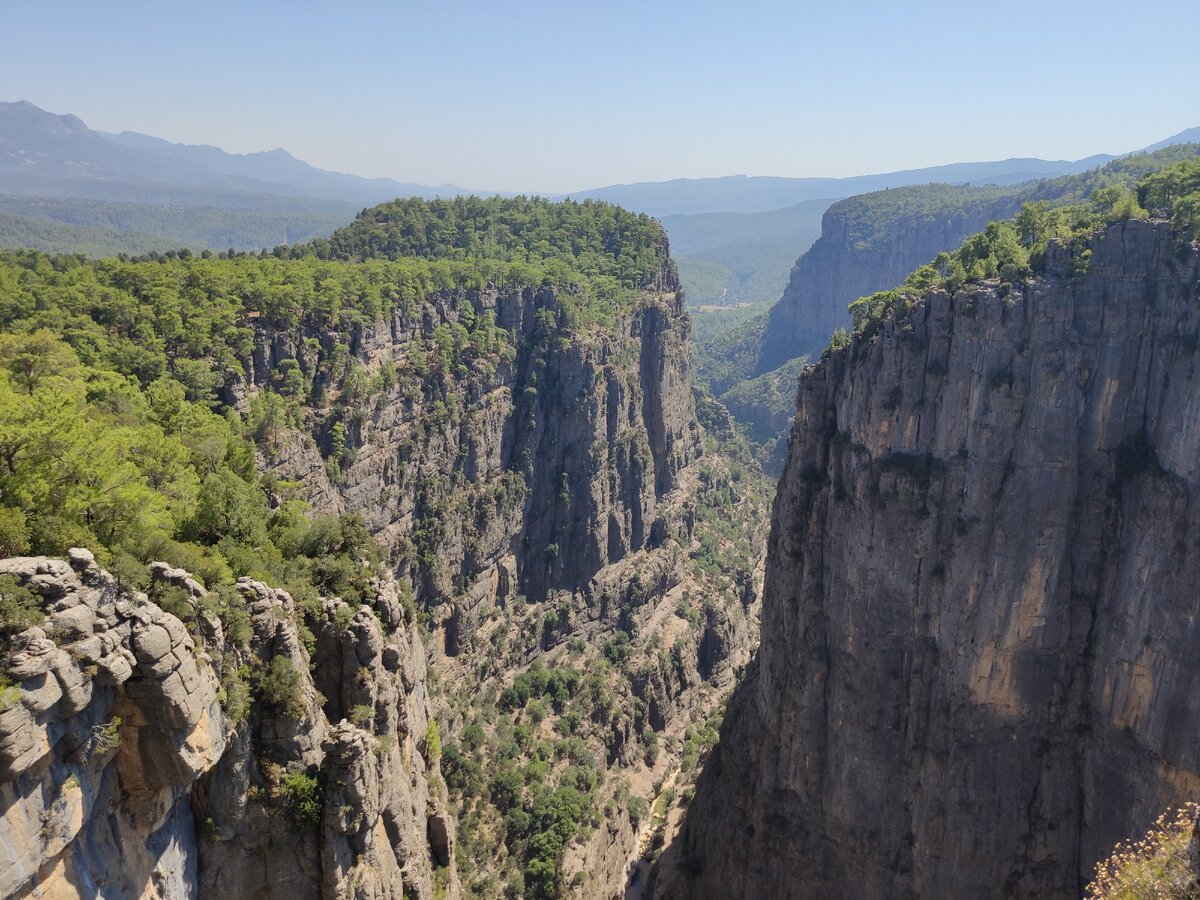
(979, 621)
(122, 775)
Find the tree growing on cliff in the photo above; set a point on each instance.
(1161, 865)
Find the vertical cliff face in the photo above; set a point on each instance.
(529, 473)
(979, 610)
(846, 262)
(136, 761)
(546, 501)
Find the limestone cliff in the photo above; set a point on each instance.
(128, 769)
(550, 500)
(542, 464)
(979, 617)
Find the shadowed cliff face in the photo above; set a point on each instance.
(979, 621)
(533, 473)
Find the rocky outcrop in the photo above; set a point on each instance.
(112, 717)
(134, 760)
(979, 612)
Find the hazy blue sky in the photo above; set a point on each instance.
(562, 96)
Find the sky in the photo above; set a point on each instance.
(559, 97)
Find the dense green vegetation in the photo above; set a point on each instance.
(600, 241)
(725, 344)
(93, 457)
(115, 431)
(874, 218)
(706, 283)
(1011, 251)
(55, 237)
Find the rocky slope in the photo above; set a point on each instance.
(135, 760)
(542, 507)
(979, 618)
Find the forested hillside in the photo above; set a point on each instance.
(488, 401)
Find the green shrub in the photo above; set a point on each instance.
(433, 742)
(304, 795)
(235, 695)
(278, 684)
(363, 716)
(14, 532)
(19, 608)
(638, 809)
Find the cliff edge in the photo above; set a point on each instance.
(979, 609)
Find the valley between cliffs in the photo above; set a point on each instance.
(524, 577)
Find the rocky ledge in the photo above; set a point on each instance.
(129, 768)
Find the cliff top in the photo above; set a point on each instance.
(1018, 249)
(597, 239)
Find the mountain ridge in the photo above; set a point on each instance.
(65, 156)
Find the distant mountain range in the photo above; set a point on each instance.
(735, 238)
(43, 154)
(743, 194)
(66, 187)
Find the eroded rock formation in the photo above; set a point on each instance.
(124, 771)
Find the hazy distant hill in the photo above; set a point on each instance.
(65, 187)
(1189, 136)
(729, 258)
(46, 154)
(103, 228)
(278, 167)
(745, 194)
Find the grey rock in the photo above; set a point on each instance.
(151, 642)
(977, 664)
(40, 693)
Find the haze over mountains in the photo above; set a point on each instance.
(66, 187)
(58, 155)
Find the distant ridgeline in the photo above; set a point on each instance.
(870, 243)
(116, 425)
